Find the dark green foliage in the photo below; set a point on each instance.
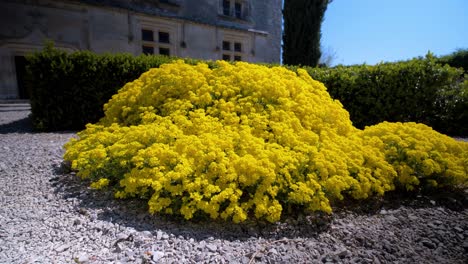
(418, 90)
(69, 90)
(302, 31)
(458, 59)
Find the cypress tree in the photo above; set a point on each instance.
(301, 36)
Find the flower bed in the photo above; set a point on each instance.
(247, 141)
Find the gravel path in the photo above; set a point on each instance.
(48, 216)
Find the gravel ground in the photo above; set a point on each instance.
(49, 216)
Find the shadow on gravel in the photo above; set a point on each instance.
(133, 213)
(18, 126)
(454, 200)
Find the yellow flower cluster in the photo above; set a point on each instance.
(244, 140)
(420, 155)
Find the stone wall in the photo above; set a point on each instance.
(196, 29)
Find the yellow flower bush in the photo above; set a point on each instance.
(420, 155)
(241, 141)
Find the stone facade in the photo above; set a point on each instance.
(248, 30)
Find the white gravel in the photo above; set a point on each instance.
(48, 216)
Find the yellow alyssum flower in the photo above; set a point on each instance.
(243, 140)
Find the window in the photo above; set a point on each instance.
(238, 10)
(232, 54)
(226, 7)
(234, 8)
(237, 47)
(148, 50)
(226, 45)
(163, 37)
(147, 35)
(164, 51)
(150, 46)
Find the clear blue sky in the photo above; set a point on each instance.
(372, 31)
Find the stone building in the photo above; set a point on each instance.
(247, 30)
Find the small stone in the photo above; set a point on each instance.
(83, 258)
(391, 218)
(383, 212)
(212, 247)
(146, 233)
(122, 237)
(62, 248)
(118, 248)
(83, 211)
(157, 255)
(272, 251)
(458, 229)
(245, 260)
(432, 202)
(202, 244)
(342, 253)
(428, 244)
(199, 258)
(465, 246)
(165, 236)
(159, 235)
(76, 222)
(412, 217)
(376, 260)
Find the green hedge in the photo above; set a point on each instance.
(69, 90)
(458, 59)
(419, 90)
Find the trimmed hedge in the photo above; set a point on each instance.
(419, 90)
(457, 59)
(69, 90)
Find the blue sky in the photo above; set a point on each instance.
(372, 31)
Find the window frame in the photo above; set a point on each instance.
(234, 9)
(148, 32)
(144, 49)
(225, 8)
(164, 33)
(238, 13)
(233, 54)
(165, 36)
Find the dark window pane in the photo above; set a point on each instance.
(226, 57)
(147, 35)
(148, 50)
(163, 37)
(238, 47)
(164, 51)
(226, 7)
(237, 58)
(238, 10)
(226, 45)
